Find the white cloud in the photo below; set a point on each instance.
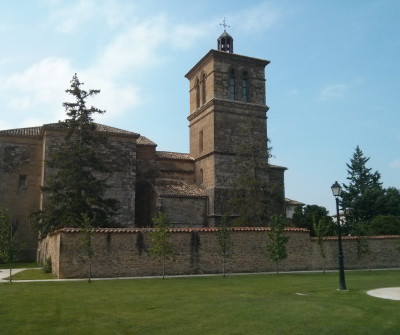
(135, 48)
(256, 19)
(39, 90)
(114, 98)
(395, 164)
(72, 17)
(333, 92)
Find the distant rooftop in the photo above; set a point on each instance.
(173, 155)
(37, 131)
(178, 188)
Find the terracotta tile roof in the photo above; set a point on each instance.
(172, 230)
(31, 132)
(293, 202)
(142, 140)
(99, 127)
(173, 155)
(379, 237)
(37, 131)
(178, 188)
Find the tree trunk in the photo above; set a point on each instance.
(163, 269)
(90, 269)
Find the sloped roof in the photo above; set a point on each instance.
(293, 202)
(178, 188)
(30, 132)
(176, 230)
(37, 131)
(173, 155)
(142, 140)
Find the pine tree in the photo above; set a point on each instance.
(360, 195)
(77, 182)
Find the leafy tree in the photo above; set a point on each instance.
(362, 231)
(225, 243)
(250, 198)
(360, 195)
(77, 182)
(385, 225)
(8, 240)
(321, 229)
(276, 240)
(305, 216)
(389, 202)
(87, 242)
(160, 238)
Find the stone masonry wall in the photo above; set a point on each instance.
(125, 252)
(182, 210)
(20, 180)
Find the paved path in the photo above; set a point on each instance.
(392, 293)
(5, 273)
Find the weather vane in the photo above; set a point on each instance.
(224, 25)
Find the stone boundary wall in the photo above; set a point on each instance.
(123, 252)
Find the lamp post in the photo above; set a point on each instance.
(337, 190)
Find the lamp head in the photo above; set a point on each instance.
(336, 189)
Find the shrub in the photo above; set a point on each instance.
(385, 225)
(47, 266)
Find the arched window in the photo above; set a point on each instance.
(197, 93)
(232, 85)
(245, 87)
(203, 89)
(201, 176)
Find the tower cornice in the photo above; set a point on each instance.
(223, 55)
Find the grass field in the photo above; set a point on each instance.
(20, 265)
(307, 303)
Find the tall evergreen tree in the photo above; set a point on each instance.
(77, 182)
(360, 195)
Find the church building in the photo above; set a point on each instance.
(227, 92)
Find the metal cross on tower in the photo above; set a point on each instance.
(224, 25)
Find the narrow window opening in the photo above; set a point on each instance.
(203, 89)
(232, 85)
(201, 141)
(201, 176)
(22, 182)
(244, 87)
(197, 93)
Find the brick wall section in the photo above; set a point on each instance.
(125, 252)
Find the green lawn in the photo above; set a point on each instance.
(250, 304)
(33, 274)
(20, 265)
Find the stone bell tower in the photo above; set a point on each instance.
(226, 92)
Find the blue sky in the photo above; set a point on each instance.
(333, 81)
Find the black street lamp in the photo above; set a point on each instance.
(337, 190)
